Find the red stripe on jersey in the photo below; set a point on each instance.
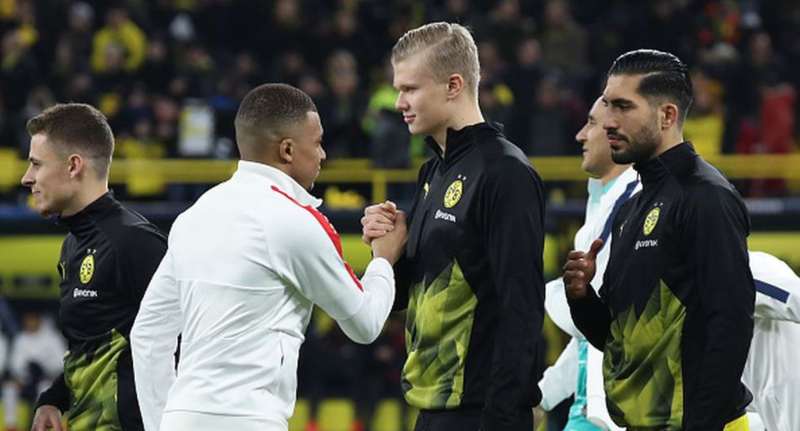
(329, 229)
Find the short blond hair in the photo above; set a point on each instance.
(449, 49)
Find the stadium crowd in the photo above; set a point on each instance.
(169, 74)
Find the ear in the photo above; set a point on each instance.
(76, 165)
(669, 115)
(455, 85)
(286, 149)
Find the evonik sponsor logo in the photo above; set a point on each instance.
(84, 293)
(444, 216)
(645, 243)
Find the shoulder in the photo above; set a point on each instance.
(298, 224)
(129, 231)
(705, 180)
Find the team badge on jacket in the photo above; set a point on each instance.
(87, 269)
(651, 221)
(453, 194)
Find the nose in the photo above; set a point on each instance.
(322, 154)
(581, 135)
(400, 104)
(27, 179)
(610, 123)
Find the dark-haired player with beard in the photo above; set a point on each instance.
(674, 316)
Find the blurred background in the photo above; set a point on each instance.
(169, 75)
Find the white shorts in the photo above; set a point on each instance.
(195, 421)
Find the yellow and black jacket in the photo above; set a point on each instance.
(473, 265)
(675, 313)
(106, 263)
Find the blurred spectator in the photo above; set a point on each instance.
(507, 25)
(496, 100)
(564, 42)
(523, 80)
(551, 131)
(343, 109)
(388, 132)
(158, 69)
(120, 37)
(36, 359)
(704, 125)
(19, 71)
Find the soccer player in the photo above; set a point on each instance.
(106, 263)
(769, 373)
(674, 315)
(473, 263)
(245, 266)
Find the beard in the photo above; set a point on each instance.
(641, 146)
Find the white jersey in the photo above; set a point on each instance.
(776, 332)
(771, 371)
(244, 267)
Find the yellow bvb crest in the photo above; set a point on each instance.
(453, 194)
(87, 269)
(651, 221)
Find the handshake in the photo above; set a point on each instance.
(384, 229)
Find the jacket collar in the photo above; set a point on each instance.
(676, 161)
(460, 141)
(273, 176)
(85, 219)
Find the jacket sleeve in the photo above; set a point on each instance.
(309, 256)
(557, 307)
(715, 236)
(591, 317)
(154, 340)
(56, 395)
(777, 288)
(511, 221)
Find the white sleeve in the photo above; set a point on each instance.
(154, 341)
(556, 306)
(16, 363)
(560, 379)
(595, 390)
(310, 257)
(777, 288)
(3, 353)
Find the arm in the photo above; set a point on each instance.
(592, 318)
(309, 256)
(557, 307)
(57, 395)
(511, 219)
(777, 288)
(561, 379)
(153, 342)
(715, 232)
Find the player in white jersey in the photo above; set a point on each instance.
(769, 373)
(244, 268)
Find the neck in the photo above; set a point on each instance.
(614, 172)
(88, 193)
(467, 114)
(669, 139)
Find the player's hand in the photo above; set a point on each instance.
(378, 220)
(47, 418)
(579, 270)
(392, 244)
